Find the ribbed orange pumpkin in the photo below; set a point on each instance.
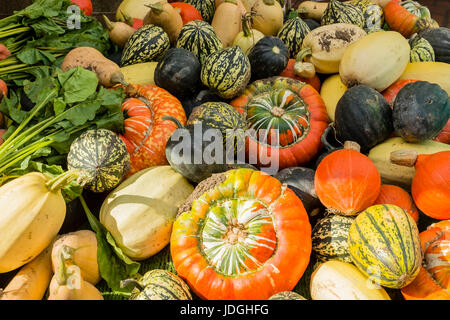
(433, 281)
(390, 194)
(346, 181)
(146, 133)
(430, 187)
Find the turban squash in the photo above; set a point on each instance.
(244, 237)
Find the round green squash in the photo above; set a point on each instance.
(287, 295)
(421, 49)
(421, 110)
(329, 238)
(101, 157)
(207, 8)
(341, 12)
(384, 244)
(226, 71)
(292, 33)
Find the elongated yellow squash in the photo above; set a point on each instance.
(139, 73)
(331, 91)
(434, 72)
(31, 215)
(336, 280)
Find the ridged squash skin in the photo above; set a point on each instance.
(377, 60)
(140, 212)
(336, 280)
(206, 8)
(433, 72)
(384, 244)
(30, 218)
(341, 12)
(331, 91)
(292, 33)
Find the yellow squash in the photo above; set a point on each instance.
(434, 72)
(139, 73)
(134, 9)
(331, 91)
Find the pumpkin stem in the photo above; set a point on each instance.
(352, 145)
(405, 157)
(173, 119)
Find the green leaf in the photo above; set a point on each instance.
(78, 84)
(34, 56)
(59, 105)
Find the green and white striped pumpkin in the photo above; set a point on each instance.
(373, 15)
(199, 38)
(416, 8)
(207, 8)
(340, 12)
(292, 34)
(329, 238)
(384, 244)
(226, 71)
(148, 43)
(101, 158)
(161, 284)
(421, 49)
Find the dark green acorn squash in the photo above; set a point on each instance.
(341, 12)
(227, 71)
(421, 110)
(421, 49)
(148, 43)
(292, 34)
(312, 24)
(439, 38)
(207, 8)
(101, 158)
(200, 38)
(363, 115)
(268, 58)
(178, 72)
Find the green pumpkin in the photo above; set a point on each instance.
(292, 33)
(148, 43)
(373, 15)
(421, 49)
(227, 72)
(416, 8)
(207, 8)
(340, 12)
(199, 38)
(101, 157)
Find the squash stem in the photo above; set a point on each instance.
(157, 8)
(173, 119)
(303, 54)
(62, 180)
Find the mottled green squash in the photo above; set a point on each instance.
(292, 33)
(416, 8)
(287, 295)
(421, 49)
(207, 8)
(373, 15)
(341, 12)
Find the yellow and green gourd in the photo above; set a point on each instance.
(421, 49)
(207, 8)
(293, 32)
(341, 12)
(373, 15)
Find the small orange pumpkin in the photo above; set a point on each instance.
(346, 181)
(390, 194)
(433, 281)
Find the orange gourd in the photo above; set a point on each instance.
(187, 11)
(433, 281)
(391, 92)
(390, 194)
(146, 133)
(430, 186)
(346, 181)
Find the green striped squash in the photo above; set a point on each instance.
(292, 33)
(287, 295)
(340, 12)
(373, 15)
(384, 244)
(226, 71)
(416, 8)
(199, 38)
(161, 284)
(148, 43)
(207, 8)
(329, 238)
(101, 157)
(421, 49)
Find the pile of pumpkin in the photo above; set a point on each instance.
(357, 93)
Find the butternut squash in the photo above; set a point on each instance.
(227, 22)
(268, 17)
(119, 32)
(433, 72)
(331, 91)
(162, 14)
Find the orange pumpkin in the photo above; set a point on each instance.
(146, 133)
(289, 72)
(346, 181)
(187, 11)
(246, 237)
(433, 281)
(390, 194)
(430, 186)
(444, 135)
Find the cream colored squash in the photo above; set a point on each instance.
(134, 8)
(139, 73)
(336, 280)
(434, 72)
(140, 212)
(331, 91)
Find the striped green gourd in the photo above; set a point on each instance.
(421, 49)
(293, 32)
(199, 38)
(101, 157)
(148, 43)
(287, 295)
(341, 12)
(207, 8)
(329, 238)
(384, 244)
(416, 8)
(373, 15)
(226, 71)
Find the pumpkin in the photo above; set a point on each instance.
(433, 72)
(205, 7)
(200, 38)
(293, 32)
(421, 49)
(331, 91)
(290, 73)
(444, 135)
(430, 186)
(384, 244)
(287, 295)
(337, 280)
(373, 15)
(346, 181)
(146, 44)
(376, 60)
(268, 58)
(391, 92)
(439, 38)
(226, 71)
(187, 11)
(416, 8)
(146, 133)
(178, 72)
(432, 283)
(139, 213)
(101, 157)
(421, 110)
(329, 238)
(391, 194)
(292, 107)
(159, 284)
(341, 12)
(85, 6)
(243, 231)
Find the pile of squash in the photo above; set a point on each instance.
(340, 122)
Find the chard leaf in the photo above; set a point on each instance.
(78, 84)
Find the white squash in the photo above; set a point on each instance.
(140, 212)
